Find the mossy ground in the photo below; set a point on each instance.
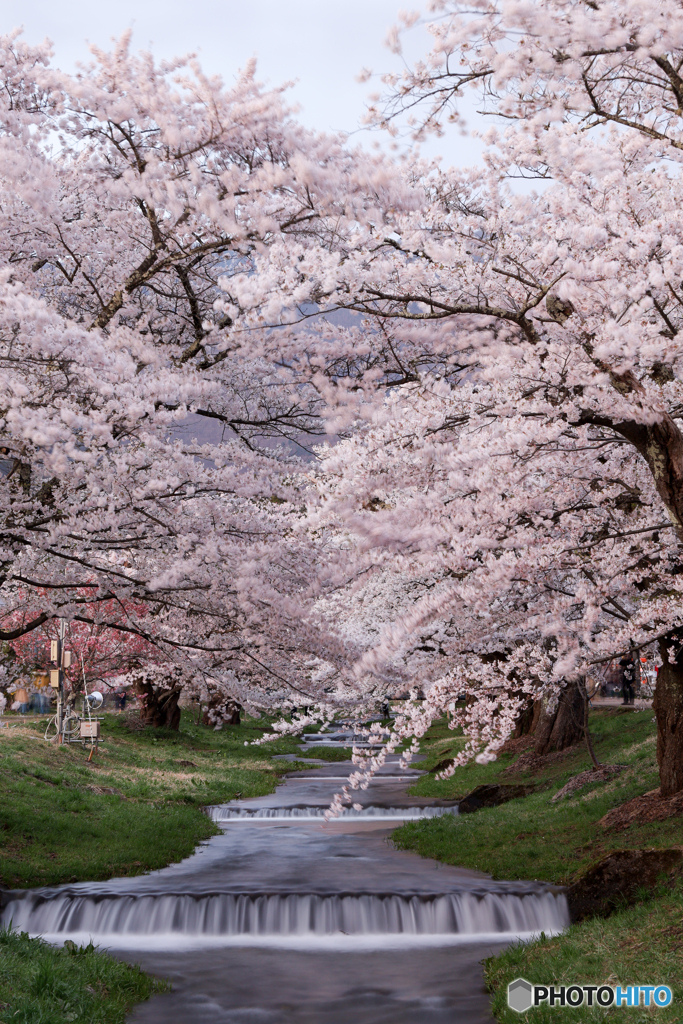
(325, 753)
(534, 838)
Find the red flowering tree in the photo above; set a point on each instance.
(101, 649)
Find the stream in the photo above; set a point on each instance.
(285, 918)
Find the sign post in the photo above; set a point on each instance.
(60, 659)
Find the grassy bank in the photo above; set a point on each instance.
(43, 985)
(135, 807)
(534, 838)
(641, 945)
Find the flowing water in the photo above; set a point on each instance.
(285, 918)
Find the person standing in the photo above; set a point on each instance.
(628, 678)
(613, 679)
(41, 682)
(21, 697)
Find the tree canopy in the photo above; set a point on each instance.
(499, 505)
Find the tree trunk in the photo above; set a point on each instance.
(565, 726)
(586, 731)
(221, 711)
(235, 716)
(528, 719)
(668, 709)
(159, 708)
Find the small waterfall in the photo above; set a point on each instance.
(221, 813)
(330, 737)
(340, 740)
(230, 917)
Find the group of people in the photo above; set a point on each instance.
(119, 698)
(33, 694)
(39, 699)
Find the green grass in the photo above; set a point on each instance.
(531, 837)
(641, 945)
(134, 808)
(58, 824)
(43, 985)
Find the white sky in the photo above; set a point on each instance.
(321, 43)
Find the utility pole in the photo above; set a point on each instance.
(60, 659)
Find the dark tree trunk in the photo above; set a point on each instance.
(235, 716)
(565, 726)
(586, 730)
(668, 709)
(159, 708)
(528, 719)
(220, 710)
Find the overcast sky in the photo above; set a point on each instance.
(322, 44)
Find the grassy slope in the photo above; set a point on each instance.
(329, 753)
(532, 838)
(43, 985)
(59, 824)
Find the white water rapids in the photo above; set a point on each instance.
(132, 920)
(223, 813)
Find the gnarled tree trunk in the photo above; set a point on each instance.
(660, 443)
(158, 707)
(528, 719)
(668, 709)
(565, 725)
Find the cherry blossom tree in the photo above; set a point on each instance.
(152, 450)
(503, 507)
(513, 380)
